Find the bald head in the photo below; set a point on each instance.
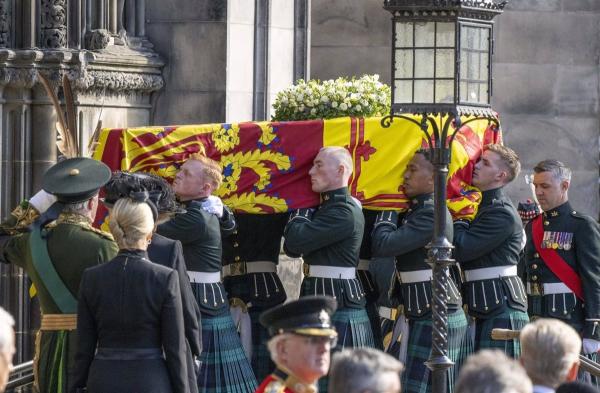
(331, 169)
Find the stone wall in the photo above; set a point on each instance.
(546, 86)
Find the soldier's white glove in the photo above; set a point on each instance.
(590, 346)
(42, 201)
(213, 205)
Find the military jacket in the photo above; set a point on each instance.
(406, 239)
(93, 247)
(576, 239)
(330, 237)
(256, 238)
(200, 235)
(368, 280)
(283, 382)
(493, 238)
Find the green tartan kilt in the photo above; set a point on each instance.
(508, 319)
(354, 330)
(375, 320)
(224, 365)
(55, 354)
(261, 358)
(417, 377)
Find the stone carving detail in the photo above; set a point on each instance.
(119, 81)
(18, 77)
(4, 24)
(54, 23)
(97, 39)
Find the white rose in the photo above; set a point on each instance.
(334, 104)
(313, 111)
(325, 99)
(343, 106)
(358, 107)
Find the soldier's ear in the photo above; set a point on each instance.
(564, 185)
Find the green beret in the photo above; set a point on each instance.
(307, 316)
(76, 179)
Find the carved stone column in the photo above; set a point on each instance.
(5, 17)
(54, 23)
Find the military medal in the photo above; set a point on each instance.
(568, 242)
(555, 240)
(561, 240)
(545, 240)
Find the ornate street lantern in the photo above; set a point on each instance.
(442, 72)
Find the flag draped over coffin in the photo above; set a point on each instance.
(265, 164)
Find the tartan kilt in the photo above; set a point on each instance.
(417, 377)
(375, 321)
(224, 367)
(508, 319)
(354, 330)
(261, 358)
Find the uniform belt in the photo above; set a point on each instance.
(488, 273)
(363, 264)
(388, 313)
(241, 268)
(204, 277)
(347, 273)
(59, 322)
(547, 289)
(129, 354)
(415, 276)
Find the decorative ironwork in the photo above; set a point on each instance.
(54, 23)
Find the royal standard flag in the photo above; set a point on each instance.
(265, 164)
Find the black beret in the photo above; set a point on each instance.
(75, 179)
(528, 210)
(308, 316)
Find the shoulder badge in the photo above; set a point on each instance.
(275, 386)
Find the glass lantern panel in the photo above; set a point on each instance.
(402, 91)
(469, 65)
(483, 93)
(484, 39)
(444, 63)
(424, 63)
(404, 63)
(424, 91)
(469, 37)
(404, 35)
(445, 35)
(472, 92)
(424, 34)
(484, 66)
(463, 91)
(444, 91)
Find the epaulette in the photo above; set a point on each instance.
(340, 197)
(275, 386)
(105, 235)
(498, 202)
(428, 202)
(21, 217)
(576, 214)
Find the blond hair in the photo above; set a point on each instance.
(210, 168)
(509, 158)
(549, 348)
(130, 222)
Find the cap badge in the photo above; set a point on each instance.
(74, 172)
(324, 317)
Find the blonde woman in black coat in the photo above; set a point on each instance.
(129, 319)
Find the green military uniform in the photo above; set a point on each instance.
(406, 239)
(488, 250)
(576, 239)
(72, 245)
(329, 241)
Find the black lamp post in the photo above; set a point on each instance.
(442, 72)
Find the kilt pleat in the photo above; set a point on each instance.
(417, 377)
(224, 367)
(375, 320)
(261, 359)
(354, 330)
(508, 319)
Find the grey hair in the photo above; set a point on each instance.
(272, 346)
(78, 208)
(549, 348)
(558, 169)
(7, 324)
(362, 369)
(491, 371)
(341, 155)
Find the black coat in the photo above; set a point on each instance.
(129, 305)
(167, 252)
